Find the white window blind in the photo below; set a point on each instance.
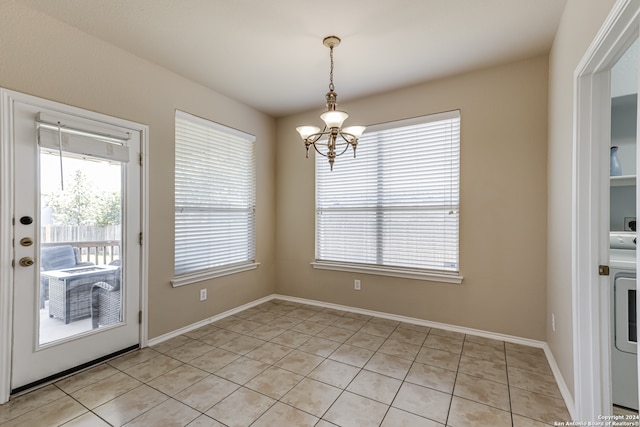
(214, 196)
(396, 204)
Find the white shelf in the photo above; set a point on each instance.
(624, 180)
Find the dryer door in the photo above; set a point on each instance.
(626, 336)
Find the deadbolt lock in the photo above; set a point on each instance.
(26, 261)
(26, 241)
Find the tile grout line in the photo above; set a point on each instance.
(360, 369)
(506, 368)
(455, 380)
(401, 384)
(92, 411)
(303, 378)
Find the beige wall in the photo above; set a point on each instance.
(43, 57)
(503, 204)
(580, 22)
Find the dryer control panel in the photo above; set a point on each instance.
(622, 240)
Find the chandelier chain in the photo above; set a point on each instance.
(331, 87)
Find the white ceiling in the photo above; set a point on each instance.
(269, 54)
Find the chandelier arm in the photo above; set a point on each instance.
(315, 137)
(312, 139)
(318, 151)
(342, 134)
(346, 147)
(353, 142)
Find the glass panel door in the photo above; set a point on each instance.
(76, 281)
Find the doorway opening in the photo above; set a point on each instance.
(592, 296)
(622, 227)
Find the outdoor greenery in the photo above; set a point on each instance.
(81, 204)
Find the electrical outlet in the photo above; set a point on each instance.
(356, 285)
(203, 294)
(553, 322)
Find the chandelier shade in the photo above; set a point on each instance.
(354, 131)
(306, 131)
(334, 119)
(333, 140)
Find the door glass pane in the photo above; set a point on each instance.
(80, 244)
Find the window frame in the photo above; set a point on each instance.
(430, 274)
(234, 267)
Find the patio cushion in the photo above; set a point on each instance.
(57, 257)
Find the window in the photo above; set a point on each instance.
(215, 197)
(393, 209)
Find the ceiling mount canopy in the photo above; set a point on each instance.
(338, 139)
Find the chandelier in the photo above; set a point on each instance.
(337, 139)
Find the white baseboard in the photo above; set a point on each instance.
(191, 327)
(564, 390)
(562, 385)
(413, 320)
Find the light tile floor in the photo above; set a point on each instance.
(288, 364)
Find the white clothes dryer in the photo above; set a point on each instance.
(624, 336)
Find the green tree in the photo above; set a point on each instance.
(80, 204)
(108, 209)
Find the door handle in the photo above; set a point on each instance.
(26, 261)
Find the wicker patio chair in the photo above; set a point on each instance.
(106, 302)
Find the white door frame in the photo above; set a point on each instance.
(7, 97)
(590, 210)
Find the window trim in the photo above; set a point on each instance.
(441, 276)
(401, 272)
(202, 275)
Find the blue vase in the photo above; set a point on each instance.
(615, 168)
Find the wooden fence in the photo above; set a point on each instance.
(79, 233)
(100, 245)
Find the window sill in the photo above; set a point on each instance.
(405, 273)
(187, 279)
